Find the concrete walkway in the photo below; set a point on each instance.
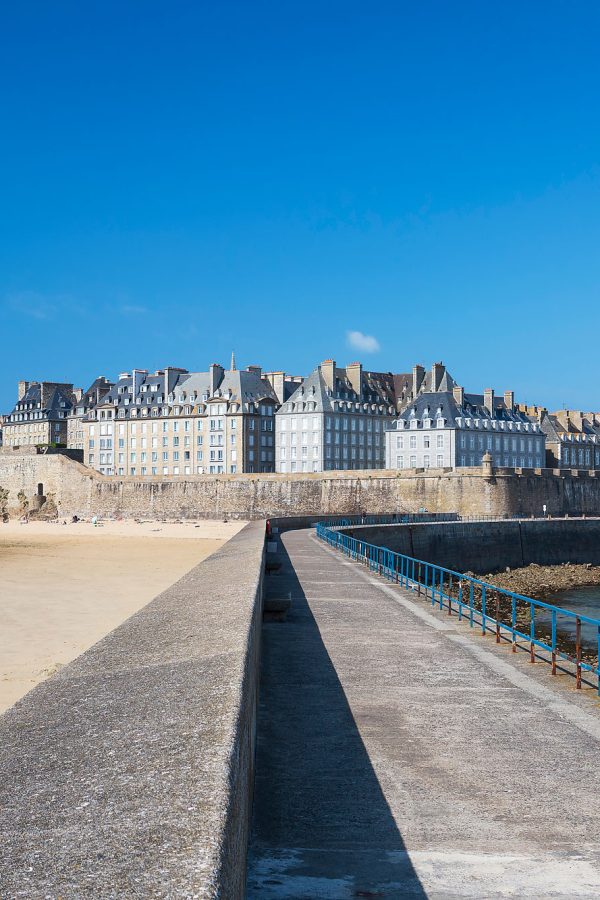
(401, 755)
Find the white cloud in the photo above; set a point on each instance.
(32, 304)
(131, 309)
(364, 342)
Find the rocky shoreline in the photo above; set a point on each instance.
(539, 582)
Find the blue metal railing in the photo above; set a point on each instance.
(389, 519)
(529, 620)
(416, 518)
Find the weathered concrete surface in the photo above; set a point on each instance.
(78, 490)
(490, 546)
(400, 754)
(129, 774)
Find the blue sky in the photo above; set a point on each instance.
(179, 180)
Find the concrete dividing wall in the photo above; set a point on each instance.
(129, 773)
(84, 492)
(483, 547)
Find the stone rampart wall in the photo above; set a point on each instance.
(483, 547)
(84, 492)
(129, 773)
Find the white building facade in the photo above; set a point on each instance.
(447, 430)
(336, 419)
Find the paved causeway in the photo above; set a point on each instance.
(400, 755)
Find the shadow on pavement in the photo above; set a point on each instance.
(322, 827)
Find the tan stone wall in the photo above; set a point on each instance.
(82, 491)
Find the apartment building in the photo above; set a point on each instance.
(572, 437)
(451, 429)
(174, 422)
(335, 419)
(84, 402)
(40, 414)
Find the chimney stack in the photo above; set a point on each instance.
(509, 400)
(256, 370)
(171, 376)
(277, 382)
(459, 395)
(215, 377)
(488, 400)
(328, 373)
(138, 376)
(23, 387)
(354, 373)
(437, 373)
(46, 388)
(577, 419)
(418, 376)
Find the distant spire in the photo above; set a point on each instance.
(232, 361)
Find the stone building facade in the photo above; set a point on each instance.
(452, 430)
(40, 414)
(84, 402)
(572, 437)
(335, 419)
(179, 423)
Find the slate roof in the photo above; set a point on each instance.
(238, 386)
(555, 430)
(377, 387)
(443, 403)
(245, 387)
(94, 394)
(56, 394)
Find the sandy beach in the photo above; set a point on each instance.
(63, 587)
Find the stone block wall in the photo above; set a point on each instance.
(483, 547)
(84, 492)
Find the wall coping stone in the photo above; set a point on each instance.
(129, 772)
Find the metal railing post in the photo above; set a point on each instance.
(483, 610)
(578, 651)
(471, 603)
